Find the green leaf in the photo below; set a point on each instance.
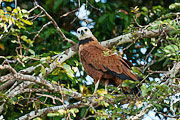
(144, 90)
(81, 88)
(163, 89)
(171, 49)
(111, 18)
(9, 8)
(104, 103)
(15, 41)
(1, 12)
(8, 0)
(144, 9)
(56, 71)
(129, 83)
(20, 25)
(43, 60)
(52, 114)
(5, 28)
(57, 4)
(23, 37)
(15, 10)
(103, 18)
(37, 118)
(68, 70)
(75, 110)
(27, 22)
(174, 6)
(61, 111)
(173, 32)
(158, 106)
(83, 110)
(32, 51)
(11, 101)
(165, 62)
(43, 71)
(101, 92)
(135, 70)
(24, 11)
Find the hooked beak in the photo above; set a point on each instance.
(82, 32)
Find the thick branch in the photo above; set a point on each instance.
(172, 73)
(7, 84)
(138, 34)
(6, 77)
(50, 86)
(8, 67)
(40, 112)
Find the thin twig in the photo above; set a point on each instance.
(130, 44)
(32, 9)
(20, 45)
(66, 14)
(41, 30)
(53, 98)
(167, 115)
(135, 20)
(171, 106)
(36, 16)
(15, 4)
(93, 7)
(150, 54)
(150, 71)
(56, 26)
(141, 113)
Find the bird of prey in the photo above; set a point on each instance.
(103, 68)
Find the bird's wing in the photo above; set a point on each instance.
(96, 56)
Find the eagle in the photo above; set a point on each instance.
(103, 68)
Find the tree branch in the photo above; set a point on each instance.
(56, 26)
(137, 34)
(141, 113)
(8, 67)
(50, 86)
(40, 112)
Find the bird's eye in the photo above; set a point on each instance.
(78, 31)
(85, 29)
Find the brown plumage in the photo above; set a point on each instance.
(101, 66)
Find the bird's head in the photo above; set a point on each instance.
(83, 33)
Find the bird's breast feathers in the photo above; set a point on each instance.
(93, 56)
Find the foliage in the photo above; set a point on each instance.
(27, 41)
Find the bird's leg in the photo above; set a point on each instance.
(106, 84)
(96, 87)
